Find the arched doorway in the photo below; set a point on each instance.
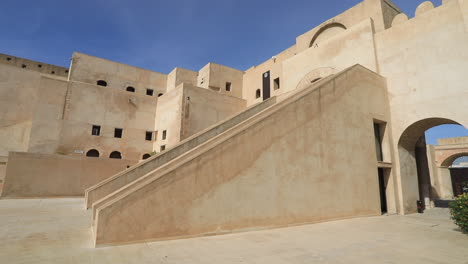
(457, 175)
(414, 174)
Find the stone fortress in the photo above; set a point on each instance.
(330, 128)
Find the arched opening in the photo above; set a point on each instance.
(416, 182)
(130, 89)
(115, 155)
(101, 83)
(146, 156)
(258, 93)
(455, 170)
(92, 153)
(326, 32)
(160, 94)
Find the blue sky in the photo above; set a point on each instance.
(160, 35)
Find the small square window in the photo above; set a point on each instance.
(149, 92)
(276, 83)
(163, 147)
(149, 136)
(228, 86)
(164, 134)
(96, 130)
(118, 132)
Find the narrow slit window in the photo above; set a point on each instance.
(228, 86)
(378, 141)
(276, 83)
(149, 136)
(164, 134)
(118, 132)
(149, 92)
(257, 93)
(96, 130)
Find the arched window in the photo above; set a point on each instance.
(115, 155)
(101, 83)
(161, 94)
(130, 89)
(146, 156)
(258, 93)
(326, 32)
(92, 153)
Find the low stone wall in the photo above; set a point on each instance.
(45, 175)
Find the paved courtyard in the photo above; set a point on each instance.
(58, 231)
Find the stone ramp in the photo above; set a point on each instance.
(119, 180)
(267, 171)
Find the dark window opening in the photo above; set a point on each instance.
(266, 89)
(276, 83)
(130, 89)
(39, 65)
(115, 155)
(149, 92)
(258, 93)
(228, 86)
(163, 147)
(118, 132)
(164, 134)
(8, 59)
(101, 83)
(23, 66)
(161, 94)
(92, 153)
(149, 135)
(146, 156)
(378, 141)
(66, 71)
(96, 130)
(53, 72)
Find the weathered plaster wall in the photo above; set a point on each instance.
(36, 66)
(214, 77)
(90, 69)
(45, 175)
(18, 97)
(261, 175)
(179, 76)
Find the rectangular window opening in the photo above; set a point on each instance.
(164, 134)
(378, 140)
(276, 83)
(149, 136)
(163, 147)
(118, 132)
(149, 92)
(96, 130)
(228, 86)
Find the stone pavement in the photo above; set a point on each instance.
(58, 231)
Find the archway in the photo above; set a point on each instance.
(92, 153)
(414, 173)
(115, 155)
(326, 32)
(146, 156)
(455, 170)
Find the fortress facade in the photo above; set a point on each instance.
(330, 128)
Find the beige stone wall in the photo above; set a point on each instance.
(45, 175)
(215, 77)
(36, 66)
(18, 97)
(203, 108)
(89, 69)
(3, 163)
(187, 110)
(179, 76)
(261, 174)
(452, 141)
(424, 60)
